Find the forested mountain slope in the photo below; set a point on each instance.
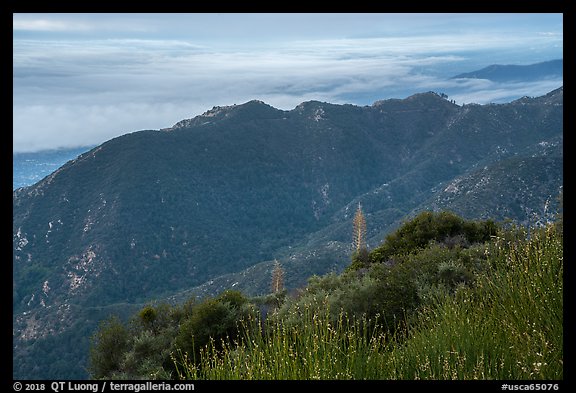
(153, 213)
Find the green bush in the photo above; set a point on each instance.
(145, 348)
(394, 290)
(107, 349)
(215, 319)
(147, 316)
(149, 356)
(444, 227)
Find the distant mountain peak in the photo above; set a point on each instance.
(256, 102)
(555, 97)
(427, 96)
(217, 110)
(313, 110)
(310, 104)
(428, 99)
(204, 118)
(218, 113)
(514, 72)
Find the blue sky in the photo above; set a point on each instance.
(81, 79)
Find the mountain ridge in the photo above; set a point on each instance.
(514, 72)
(156, 212)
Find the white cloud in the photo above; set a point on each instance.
(36, 126)
(73, 91)
(48, 25)
(504, 92)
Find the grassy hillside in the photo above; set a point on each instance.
(509, 325)
(455, 308)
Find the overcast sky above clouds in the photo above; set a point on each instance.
(81, 79)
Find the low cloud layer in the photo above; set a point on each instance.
(82, 89)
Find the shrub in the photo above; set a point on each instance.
(147, 316)
(215, 319)
(107, 348)
(429, 226)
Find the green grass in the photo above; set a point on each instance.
(319, 349)
(509, 325)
